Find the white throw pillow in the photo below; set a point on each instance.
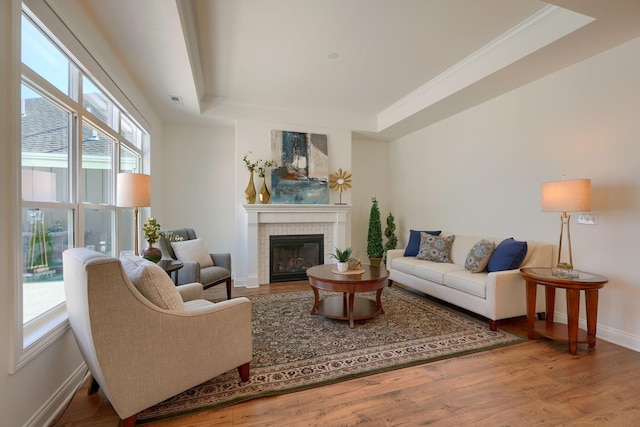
(193, 250)
(152, 282)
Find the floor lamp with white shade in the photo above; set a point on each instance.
(134, 191)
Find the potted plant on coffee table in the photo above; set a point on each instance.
(343, 257)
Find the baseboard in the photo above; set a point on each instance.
(58, 402)
(612, 335)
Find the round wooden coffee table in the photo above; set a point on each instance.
(348, 306)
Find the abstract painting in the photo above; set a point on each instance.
(301, 171)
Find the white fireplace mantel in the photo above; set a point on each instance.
(258, 215)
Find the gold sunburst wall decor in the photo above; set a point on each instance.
(340, 181)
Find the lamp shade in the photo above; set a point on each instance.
(133, 190)
(572, 195)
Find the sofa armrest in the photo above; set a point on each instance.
(393, 253)
(507, 295)
(191, 291)
(222, 260)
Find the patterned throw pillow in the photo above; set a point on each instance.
(414, 241)
(435, 248)
(479, 255)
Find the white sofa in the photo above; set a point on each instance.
(497, 295)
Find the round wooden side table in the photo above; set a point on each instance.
(590, 283)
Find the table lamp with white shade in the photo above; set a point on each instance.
(572, 195)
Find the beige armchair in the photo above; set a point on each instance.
(193, 271)
(138, 353)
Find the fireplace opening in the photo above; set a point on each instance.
(290, 256)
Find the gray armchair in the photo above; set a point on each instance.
(220, 272)
(144, 339)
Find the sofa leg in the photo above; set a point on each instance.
(129, 422)
(493, 325)
(390, 283)
(243, 370)
(229, 288)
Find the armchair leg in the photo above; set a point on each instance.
(243, 370)
(228, 288)
(129, 422)
(93, 387)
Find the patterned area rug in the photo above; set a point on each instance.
(293, 350)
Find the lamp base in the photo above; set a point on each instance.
(564, 266)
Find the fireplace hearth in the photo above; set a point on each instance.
(291, 255)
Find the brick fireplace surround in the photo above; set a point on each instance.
(266, 220)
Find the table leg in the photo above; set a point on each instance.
(591, 299)
(531, 308)
(379, 302)
(351, 300)
(573, 307)
(316, 296)
(550, 302)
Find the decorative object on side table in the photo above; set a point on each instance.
(375, 250)
(343, 257)
(152, 233)
(264, 194)
(573, 195)
(340, 181)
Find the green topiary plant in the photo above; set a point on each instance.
(390, 234)
(375, 249)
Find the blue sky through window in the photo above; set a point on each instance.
(43, 57)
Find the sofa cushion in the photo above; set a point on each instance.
(479, 255)
(405, 264)
(435, 271)
(435, 248)
(194, 251)
(152, 282)
(508, 255)
(414, 241)
(468, 282)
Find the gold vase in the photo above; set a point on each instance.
(250, 191)
(265, 196)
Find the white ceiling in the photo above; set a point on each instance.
(400, 65)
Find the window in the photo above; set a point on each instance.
(74, 137)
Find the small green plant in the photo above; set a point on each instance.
(152, 232)
(263, 165)
(342, 255)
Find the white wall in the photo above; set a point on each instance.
(480, 171)
(371, 175)
(198, 182)
(255, 137)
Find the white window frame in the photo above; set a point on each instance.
(32, 337)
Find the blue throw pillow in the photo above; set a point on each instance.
(414, 241)
(508, 255)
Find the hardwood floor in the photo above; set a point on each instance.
(534, 383)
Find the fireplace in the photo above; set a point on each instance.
(291, 255)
